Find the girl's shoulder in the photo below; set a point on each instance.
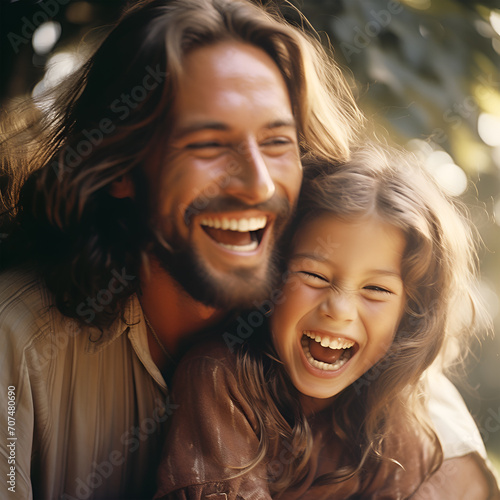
(207, 360)
(210, 348)
(212, 434)
(408, 457)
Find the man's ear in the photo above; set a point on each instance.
(123, 187)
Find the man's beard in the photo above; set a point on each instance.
(241, 289)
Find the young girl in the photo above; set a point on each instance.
(330, 403)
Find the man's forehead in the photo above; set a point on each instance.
(224, 67)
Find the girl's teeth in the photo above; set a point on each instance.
(338, 343)
(329, 367)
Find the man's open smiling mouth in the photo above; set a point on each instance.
(242, 234)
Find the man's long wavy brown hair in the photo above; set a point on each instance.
(57, 168)
(442, 310)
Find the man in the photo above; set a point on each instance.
(166, 172)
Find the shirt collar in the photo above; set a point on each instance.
(131, 323)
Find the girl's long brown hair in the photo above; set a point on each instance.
(442, 310)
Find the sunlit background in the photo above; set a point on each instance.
(427, 72)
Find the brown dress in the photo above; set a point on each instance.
(213, 432)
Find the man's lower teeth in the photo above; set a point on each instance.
(241, 248)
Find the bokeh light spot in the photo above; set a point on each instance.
(59, 66)
(488, 128)
(447, 173)
(451, 178)
(483, 28)
(495, 20)
(437, 158)
(45, 37)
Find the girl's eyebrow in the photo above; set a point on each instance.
(387, 272)
(312, 256)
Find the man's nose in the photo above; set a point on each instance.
(251, 180)
(339, 305)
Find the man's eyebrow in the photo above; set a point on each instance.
(288, 122)
(224, 127)
(198, 126)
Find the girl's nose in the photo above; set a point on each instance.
(339, 305)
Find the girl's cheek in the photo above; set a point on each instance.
(292, 283)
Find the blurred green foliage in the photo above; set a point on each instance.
(426, 71)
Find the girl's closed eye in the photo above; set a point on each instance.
(314, 278)
(378, 293)
(376, 288)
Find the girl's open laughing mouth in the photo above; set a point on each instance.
(327, 353)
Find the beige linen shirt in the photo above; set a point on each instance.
(90, 409)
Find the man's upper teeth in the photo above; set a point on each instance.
(240, 225)
(332, 343)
